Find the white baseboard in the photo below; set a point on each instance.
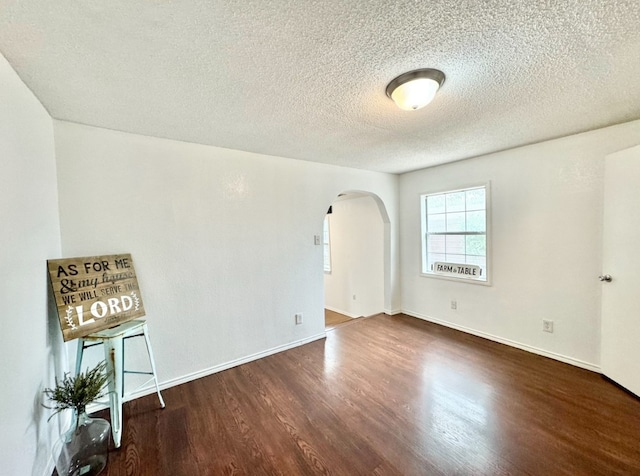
(340, 311)
(501, 340)
(392, 312)
(150, 389)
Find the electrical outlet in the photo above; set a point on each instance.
(317, 240)
(354, 297)
(454, 304)
(298, 318)
(547, 326)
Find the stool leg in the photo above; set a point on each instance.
(113, 356)
(153, 363)
(122, 371)
(79, 354)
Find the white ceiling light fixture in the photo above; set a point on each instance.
(415, 89)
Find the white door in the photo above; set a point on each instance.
(620, 348)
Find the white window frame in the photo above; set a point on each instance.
(423, 236)
(326, 244)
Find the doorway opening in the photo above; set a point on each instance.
(356, 254)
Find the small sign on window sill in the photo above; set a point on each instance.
(469, 271)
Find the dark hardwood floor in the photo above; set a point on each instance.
(387, 395)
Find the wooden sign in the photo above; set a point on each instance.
(457, 270)
(94, 293)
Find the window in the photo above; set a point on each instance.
(327, 245)
(454, 230)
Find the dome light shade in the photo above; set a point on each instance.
(415, 89)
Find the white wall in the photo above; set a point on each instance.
(30, 341)
(357, 253)
(222, 240)
(547, 238)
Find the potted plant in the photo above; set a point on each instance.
(83, 449)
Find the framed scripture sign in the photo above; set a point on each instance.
(94, 293)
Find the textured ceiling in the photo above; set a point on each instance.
(306, 78)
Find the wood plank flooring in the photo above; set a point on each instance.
(387, 396)
(334, 319)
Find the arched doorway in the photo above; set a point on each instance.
(358, 244)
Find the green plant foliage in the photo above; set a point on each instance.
(79, 391)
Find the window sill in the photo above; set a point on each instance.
(457, 280)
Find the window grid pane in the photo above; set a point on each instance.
(476, 221)
(455, 244)
(455, 202)
(435, 204)
(437, 223)
(436, 244)
(475, 199)
(456, 222)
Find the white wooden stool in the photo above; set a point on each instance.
(113, 342)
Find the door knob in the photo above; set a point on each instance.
(606, 277)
